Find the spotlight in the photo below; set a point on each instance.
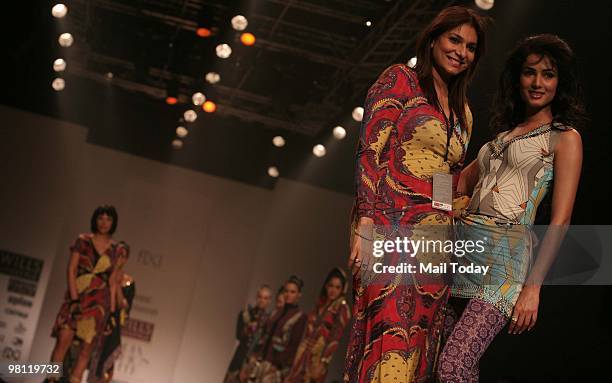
(212, 77)
(278, 141)
(358, 114)
(190, 115)
(198, 98)
(273, 171)
(203, 32)
(109, 75)
(319, 150)
(223, 51)
(412, 62)
(59, 65)
(177, 144)
(239, 23)
(59, 10)
(339, 132)
(182, 132)
(65, 40)
(209, 106)
(484, 4)
(170, 100)
(368, 23)
(247, 39)
(58, 84)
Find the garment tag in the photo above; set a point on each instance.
(442, 191)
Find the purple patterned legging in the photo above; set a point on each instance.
(472, 334)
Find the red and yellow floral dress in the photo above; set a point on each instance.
(324, 328)
(398, 325)
(88, 318)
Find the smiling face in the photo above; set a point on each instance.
(104, 223)
(538, 82)
(454, 50)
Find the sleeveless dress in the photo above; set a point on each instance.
(514, 178)
(396, 333)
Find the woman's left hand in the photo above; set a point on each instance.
(525, 313)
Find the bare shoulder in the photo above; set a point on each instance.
(569, 140)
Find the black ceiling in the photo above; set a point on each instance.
(311, 65)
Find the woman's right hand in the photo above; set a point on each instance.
(364, 228)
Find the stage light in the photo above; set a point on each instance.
(190, 115)
(109, 75)
(239, 22)
(484, 4)
(223, 51)
(278, 141)
(170, 100)
(181, 132)
(412, 62)
(203, 32)
(177, 144)
(247, 39)
(65, 40)
(273, 171)
(358, 114)
(319, 150)
(368, 23)
(339, 132)
(59, 65)
(209, 106)
(212, 77)
(198, 98)
(58, 84)
(59, 10)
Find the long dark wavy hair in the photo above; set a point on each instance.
(450, 18)
(567, 105)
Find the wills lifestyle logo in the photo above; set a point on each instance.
(19, 301)
(17, 313)
(18, 286)
(138, 329)
(147, 258)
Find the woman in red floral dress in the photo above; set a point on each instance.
(324, 329)
(94, 259)
(416, 123)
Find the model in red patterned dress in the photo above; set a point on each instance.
(94, 258)
(416, 123)
(324, 329)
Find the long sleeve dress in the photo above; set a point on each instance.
(276, 351)
(398, 324)
(325, 326)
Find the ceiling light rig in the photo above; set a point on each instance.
(65, 40)
(223, 51)
(485, 4)
(209, 106)
(212, 77)
(58, 84)
(190, 115)
(273, 172)
(247, 39)
(358, 114)
(278, 141)
(59, 10)
(59, 65)
(239, 23)
(198, 98)
(181, 132)
(339, 132)
(177, 143)
(319, 150)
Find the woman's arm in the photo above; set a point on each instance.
(468, 179)
(567, 168)
(383, 106)
(73, 265)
